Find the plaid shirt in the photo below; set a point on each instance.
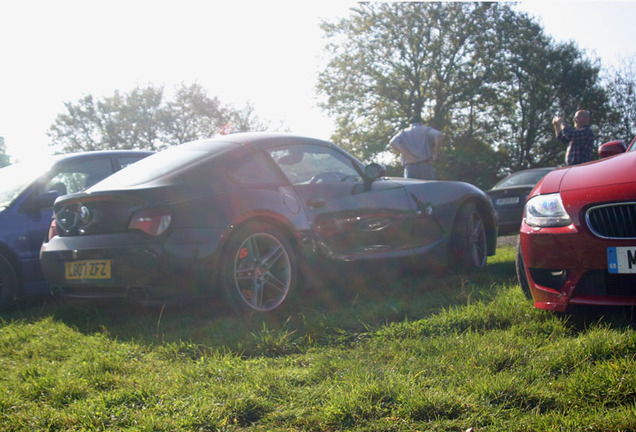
(580, 144)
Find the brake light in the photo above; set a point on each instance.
(52, 230)
(151, 221)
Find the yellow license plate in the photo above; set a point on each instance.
(88, 269)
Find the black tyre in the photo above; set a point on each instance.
(470, 242)
(8, 284)
(521, 273)
(259, 268)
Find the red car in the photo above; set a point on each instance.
(577, 243)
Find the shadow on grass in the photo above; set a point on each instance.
(336, 302)
(336, 305)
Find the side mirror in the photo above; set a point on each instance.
(374, 171)
(612, 148)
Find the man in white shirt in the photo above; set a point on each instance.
(419, 146)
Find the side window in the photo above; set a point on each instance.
(78, 175)
(124, 161)
(303, 164)
(256, 170)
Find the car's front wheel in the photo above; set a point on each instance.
(470, 242)
(259, 268)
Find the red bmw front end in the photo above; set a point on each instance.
(577, 241)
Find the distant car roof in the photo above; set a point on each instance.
(528, 177)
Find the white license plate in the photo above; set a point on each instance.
(507, 201)
(621, 259)
(88, 269)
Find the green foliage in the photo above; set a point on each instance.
(144, 119)
(484, 74)
(621, 85)
(393, 60)
(425, 352)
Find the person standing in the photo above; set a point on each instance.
(579, 139)
(419, 146)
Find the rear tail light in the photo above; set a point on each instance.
(151, 221)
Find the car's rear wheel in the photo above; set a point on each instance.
(521, 273)
(8, 284)
(259, 269)
(470, 242)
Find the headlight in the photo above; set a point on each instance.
(546, 211)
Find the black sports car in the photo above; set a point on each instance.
(242, 212)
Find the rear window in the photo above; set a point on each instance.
(523, 178)
(151, 168)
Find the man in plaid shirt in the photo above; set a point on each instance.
(580, 139)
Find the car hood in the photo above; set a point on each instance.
(598, 174)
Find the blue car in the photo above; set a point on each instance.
(27, 193)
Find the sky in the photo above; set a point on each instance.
(265, 52)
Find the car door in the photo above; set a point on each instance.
(350, 218)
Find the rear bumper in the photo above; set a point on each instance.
(184, 261)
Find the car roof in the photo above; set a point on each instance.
(92, 153)
(47, 161)
(260, 140)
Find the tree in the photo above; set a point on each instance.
(485, 75)
(5, 159)
(192, 115)
(132, 121)
(542, 79)
(143, 119)
(621, 85)
(393, 60)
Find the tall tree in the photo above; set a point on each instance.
(621, 85)
(393, 60)
(542, 79)
(133, 120)
(485, 75)
(144, 119)
(192, 115)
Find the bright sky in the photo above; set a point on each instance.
(266, 52)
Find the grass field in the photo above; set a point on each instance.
(439, 352)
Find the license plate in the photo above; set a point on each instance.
(507, 201)
(621, 259)
(88, 269)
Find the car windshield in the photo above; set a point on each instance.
(523, 178)
(16, 178)
(151, 168)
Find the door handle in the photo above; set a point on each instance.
(316, 203)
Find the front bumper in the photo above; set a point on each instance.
(568, 266)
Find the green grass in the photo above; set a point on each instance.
(439, 352)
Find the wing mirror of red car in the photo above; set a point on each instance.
(612, 148)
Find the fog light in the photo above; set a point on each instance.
(550, 278)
